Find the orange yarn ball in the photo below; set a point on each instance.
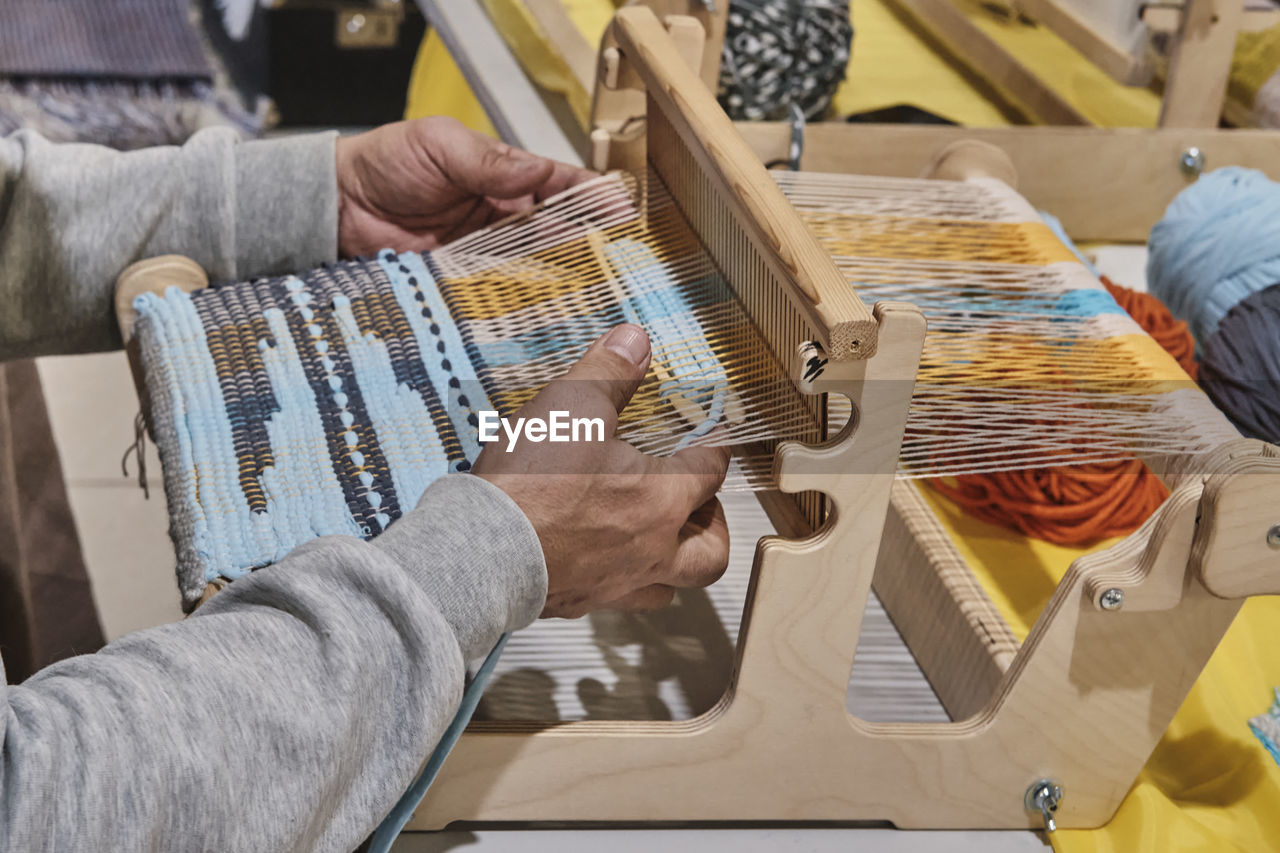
(1155, 319)
(1069, 505)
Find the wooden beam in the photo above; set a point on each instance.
(577, 53)
(1108, 184)
(957, 636)
(713, 23)
(1200, 64)
(1115, 59)
(1167, 17)
(942, 20)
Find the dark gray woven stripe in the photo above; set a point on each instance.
(122, 39)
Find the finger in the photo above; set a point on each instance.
(614, 365)
(503, 207)
(703, 553)
(486, 167)
(647, 598)
(697, 474)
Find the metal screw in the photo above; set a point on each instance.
(1192, 162)
(1111, 599)
(356, 24)
(1044, 796)
(1273, 536)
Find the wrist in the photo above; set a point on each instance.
(286, 204)
(478, 556)
(344, 156)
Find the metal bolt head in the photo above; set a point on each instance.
(1273, 536)
(1044, 796)
(1111, 599)
(1192, 162)
(356, 24)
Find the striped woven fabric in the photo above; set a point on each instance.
(290, 408)
(325, 403)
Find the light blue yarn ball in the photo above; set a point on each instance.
(1219, 242)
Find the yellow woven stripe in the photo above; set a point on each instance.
(876, 236)
(1124, 364)
(550, 274)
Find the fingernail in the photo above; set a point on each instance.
(628, 341)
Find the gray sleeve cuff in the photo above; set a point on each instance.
(286, 204)
(476, 554)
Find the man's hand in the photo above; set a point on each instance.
(619, 529)
(416, 185)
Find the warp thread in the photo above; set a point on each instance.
(783, 52)
(1215, 260)
(1073, 505)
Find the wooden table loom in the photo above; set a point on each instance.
(1079, 705)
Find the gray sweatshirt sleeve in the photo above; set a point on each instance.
(73, 216)
(289, 712)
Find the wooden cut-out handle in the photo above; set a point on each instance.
(1237, 550)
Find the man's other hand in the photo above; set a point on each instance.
(415, 185)
(619, 529)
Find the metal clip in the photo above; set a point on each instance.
(797, 138)
(811, 362)
(1044, 796)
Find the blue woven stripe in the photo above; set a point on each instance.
(304, 498)
(354, 450)
(233, 324)
(444, 355)
(204, 470)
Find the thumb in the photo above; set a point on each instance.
(484, 166)
(614, 365)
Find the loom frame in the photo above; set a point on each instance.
(780, 745)
(1083, 700)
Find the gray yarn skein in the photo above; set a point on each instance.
(1240, 365)
(783, 52)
